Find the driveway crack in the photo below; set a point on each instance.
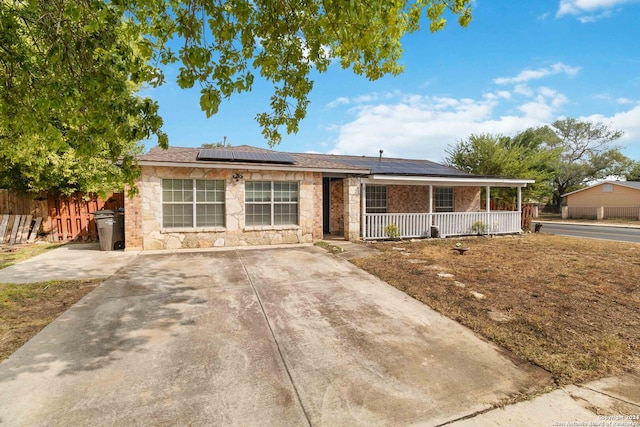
(275, 339)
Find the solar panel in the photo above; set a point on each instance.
(215, 154)
(400, 167)
(244, 156)
(263, 157)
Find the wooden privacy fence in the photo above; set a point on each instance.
(19, 228)
(71, 217)
(62, 218)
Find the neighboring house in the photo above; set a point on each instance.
(609, 199)
(190, 197)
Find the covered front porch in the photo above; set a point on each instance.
(436, 207)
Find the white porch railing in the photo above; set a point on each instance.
(412, 225)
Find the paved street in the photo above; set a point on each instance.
(621, 234)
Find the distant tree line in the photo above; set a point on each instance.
(561, 157)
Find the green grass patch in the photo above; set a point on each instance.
(21, 253)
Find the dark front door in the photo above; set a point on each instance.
(326, 205)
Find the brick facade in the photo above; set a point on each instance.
(466, 199)
(132, 221)
(336, 204)
(144, 212)
(415, 199)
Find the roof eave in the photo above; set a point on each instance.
(620, 183)
(452, 181)
(249, 166)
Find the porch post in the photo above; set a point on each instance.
(363, 211)
(352, 208)
(431, 199)
(519, 199)
(488, 204)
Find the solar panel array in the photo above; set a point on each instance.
(401, 167)
(245, 156)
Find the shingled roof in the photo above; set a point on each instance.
(308, 161)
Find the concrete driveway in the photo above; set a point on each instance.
(260, 337)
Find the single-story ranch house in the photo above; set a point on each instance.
(608, 199)
(191, 197)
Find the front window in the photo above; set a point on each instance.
(444, 199)
(270, 203)
(189, 203)
(376, 196)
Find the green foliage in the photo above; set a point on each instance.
(227, 43)
(523, 156)
(219, 144)
(633, 174)
(69, 116)
(586, 155)
(479, 227)
(392, 231)
(561, 157)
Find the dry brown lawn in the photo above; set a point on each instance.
(26, 309)
(568, 305)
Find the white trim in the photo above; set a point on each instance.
(487, 203)
(245, 166)
(446, 181)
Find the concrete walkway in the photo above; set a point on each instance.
(291, 336)
(75, 261)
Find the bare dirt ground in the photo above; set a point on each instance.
(568, 305)
(26, 309)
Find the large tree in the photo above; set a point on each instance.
(69, 116)
(523, 156)
(587, 154)
(70, 70)
(633, 174)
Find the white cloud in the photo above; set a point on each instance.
(528, 75)
(415, 125)
(590, 10)
(362, 99)
(365, 98)
(418, 126)
(625, 101)
(626, 121)
(338, 101)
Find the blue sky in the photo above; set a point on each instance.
(519, 64)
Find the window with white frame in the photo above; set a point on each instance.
(444, 199)
(376, 198)
(189, 203)
(270, 203)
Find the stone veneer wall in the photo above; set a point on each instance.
(153, 236)
(352, 214)
(336, 210)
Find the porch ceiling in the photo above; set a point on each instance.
(447, 181)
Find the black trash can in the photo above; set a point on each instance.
(110, 226)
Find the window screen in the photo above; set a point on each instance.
(271, 203)
(188, 203)
(376, 197)
(444, 199)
